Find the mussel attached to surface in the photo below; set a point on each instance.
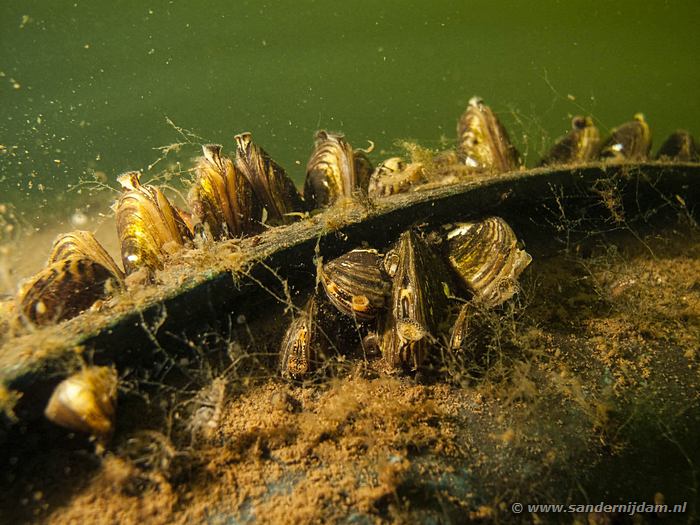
(629, 141)
(79, 273)
(301, 344)
(395, 176)
(356, 283)
(274, 189)
(334, 170)
(222, 199)
(483, 141)
(486, 257)
(681, 146)
(581, 144)
(86, 402)
(418, 302)
(148, 225)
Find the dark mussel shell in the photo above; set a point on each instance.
(148, 226)
(273, 188)
(679, 146)
(629, 141)
(486, 257)
(483, 141)
(409, 326)
(356, 283)
(222, 199)
(581, 144)
(334, 170)
(63, 289)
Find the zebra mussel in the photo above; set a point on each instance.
(233, 197)
(400, 300)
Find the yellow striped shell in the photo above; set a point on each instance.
(86, 402)
(300, 345)
(222, 199)
(356, 283)
(483, 141)
(486, 257)
(83, 243)
(148, 226)
(334, 170)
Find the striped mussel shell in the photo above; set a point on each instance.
(629, 141)
(148, 225)
(483, 141)
(222, 199)
(271, 185)
(79, 272)
(679, 146)
(409, 326)
(334, 170)
(300, 348)
(581, 144)
(356, 283)
(394, 176)
(84, 244)
(86, 402)
(486, 257)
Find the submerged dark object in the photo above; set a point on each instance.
(34, 363)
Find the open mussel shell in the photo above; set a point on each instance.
(486, 257)
(273, 188)
(331, 170)
(222, 198)
(679, 146)
(63, 289)
(148, 225)
(581, 144)
(83, 244)
(629, 141)
(356, 283)
(409, 326)
(86, 402)
(483, 141)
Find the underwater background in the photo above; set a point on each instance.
(90, 90)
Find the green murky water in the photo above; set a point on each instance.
(91, 87)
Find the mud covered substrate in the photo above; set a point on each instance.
(583, 390)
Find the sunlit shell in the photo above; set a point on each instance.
(86, 402)
(83, 244)
(630, 141)
(148, 226)
(334, 170)
(63, 289)
(300, 345)
(222, 199)
(356, 283)
(486, 257)
(483, 141)
(581, 144)
(679, 146)
(273, 188)
(394, 176)
(409, 326)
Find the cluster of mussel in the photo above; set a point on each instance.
(399, 301)
(399, 296)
